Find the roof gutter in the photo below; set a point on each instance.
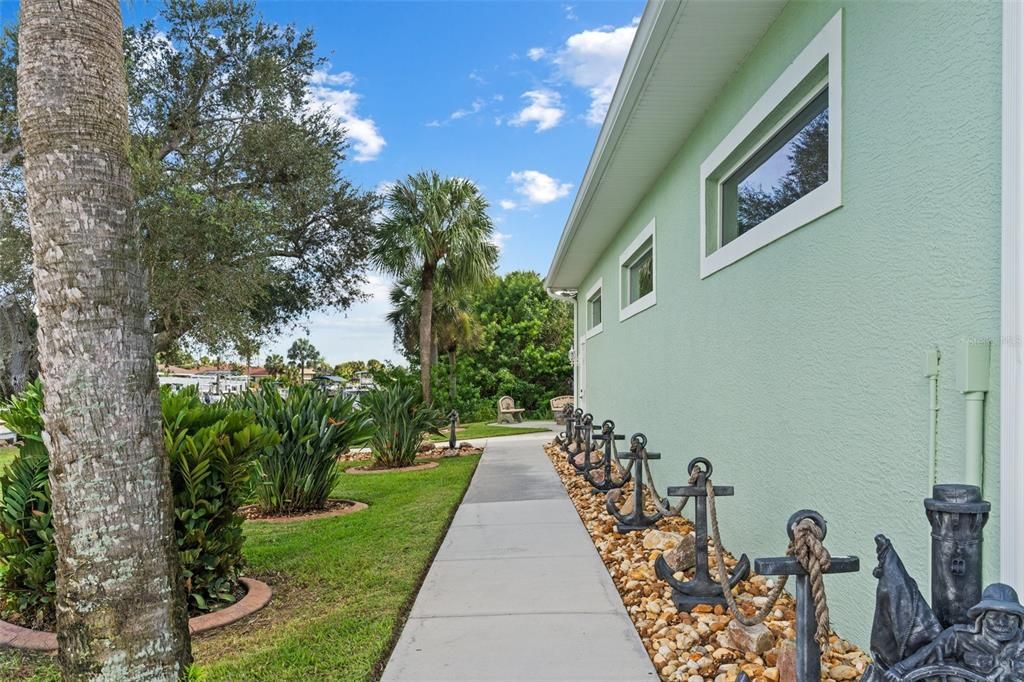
(658, 17)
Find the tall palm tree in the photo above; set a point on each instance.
(247, 347)
(274, 364)
(455, 327)
(120, 595)
(304, 354)
(433, 222)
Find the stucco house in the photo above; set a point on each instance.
(798, 251)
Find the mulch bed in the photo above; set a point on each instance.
(696, 645)
(332, 508)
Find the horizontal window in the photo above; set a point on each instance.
(780, 167)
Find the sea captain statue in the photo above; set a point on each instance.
(966, 633)
(991, 647)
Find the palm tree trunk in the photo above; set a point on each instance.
(426, 328)
(18, 364)
(120, 599)
(451, 375)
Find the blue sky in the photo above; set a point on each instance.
(509, 94)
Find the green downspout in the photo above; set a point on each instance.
(932, 358)
(973, 368)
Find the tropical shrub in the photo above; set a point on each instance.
(400, 418)
(299, 472)
(27, 550)
(212, 449)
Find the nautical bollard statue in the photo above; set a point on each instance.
(606, 480)
(636, 519)
(453, 420)
(701, 589)
(809, 563)
(958, 516)
(979, 641)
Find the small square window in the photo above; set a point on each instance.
(638, 274)
(641, 274)
(594, 307)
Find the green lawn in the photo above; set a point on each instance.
(484, 430)
(341, 585)
(6, 456)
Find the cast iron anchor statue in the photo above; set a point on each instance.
(575, 444)
(635, 519)
(607, 480)
(808, 650)
(701, 589)
(584, 436)
(562, 439)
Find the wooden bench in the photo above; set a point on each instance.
(508, 413)
(558, 404)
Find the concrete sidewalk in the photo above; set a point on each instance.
(517, 591)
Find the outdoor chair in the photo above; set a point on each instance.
(508, 413)
(557, 405)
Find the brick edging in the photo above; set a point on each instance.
(257, 596)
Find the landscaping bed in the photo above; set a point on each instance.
(704, 644)
(342, 585)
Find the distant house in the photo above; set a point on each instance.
(801, 219)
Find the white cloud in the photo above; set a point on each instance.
(508, 204)
(536, 53)
(477, 78)
(570, 12)
(499, 239)
(324, 77)
(474, 108)
(593, 60)
(545, 109)
(342, 104)
(537, 187)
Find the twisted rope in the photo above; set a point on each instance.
(806, 547)
(670, 510)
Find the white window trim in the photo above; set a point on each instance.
(598, 328)
(1011, 400)
(644, 302)
(813, 205)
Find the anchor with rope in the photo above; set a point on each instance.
(563, 438)
(609, 462)
(581, 423)
(808, 560)
(701, 588)
(637, 518)
(584, 443)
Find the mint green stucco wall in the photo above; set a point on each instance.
(799, 370)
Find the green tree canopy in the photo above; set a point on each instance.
(522, 351)
(248, 221)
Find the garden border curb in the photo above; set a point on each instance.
(355, 506)
(362, 471)
(257, 596)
